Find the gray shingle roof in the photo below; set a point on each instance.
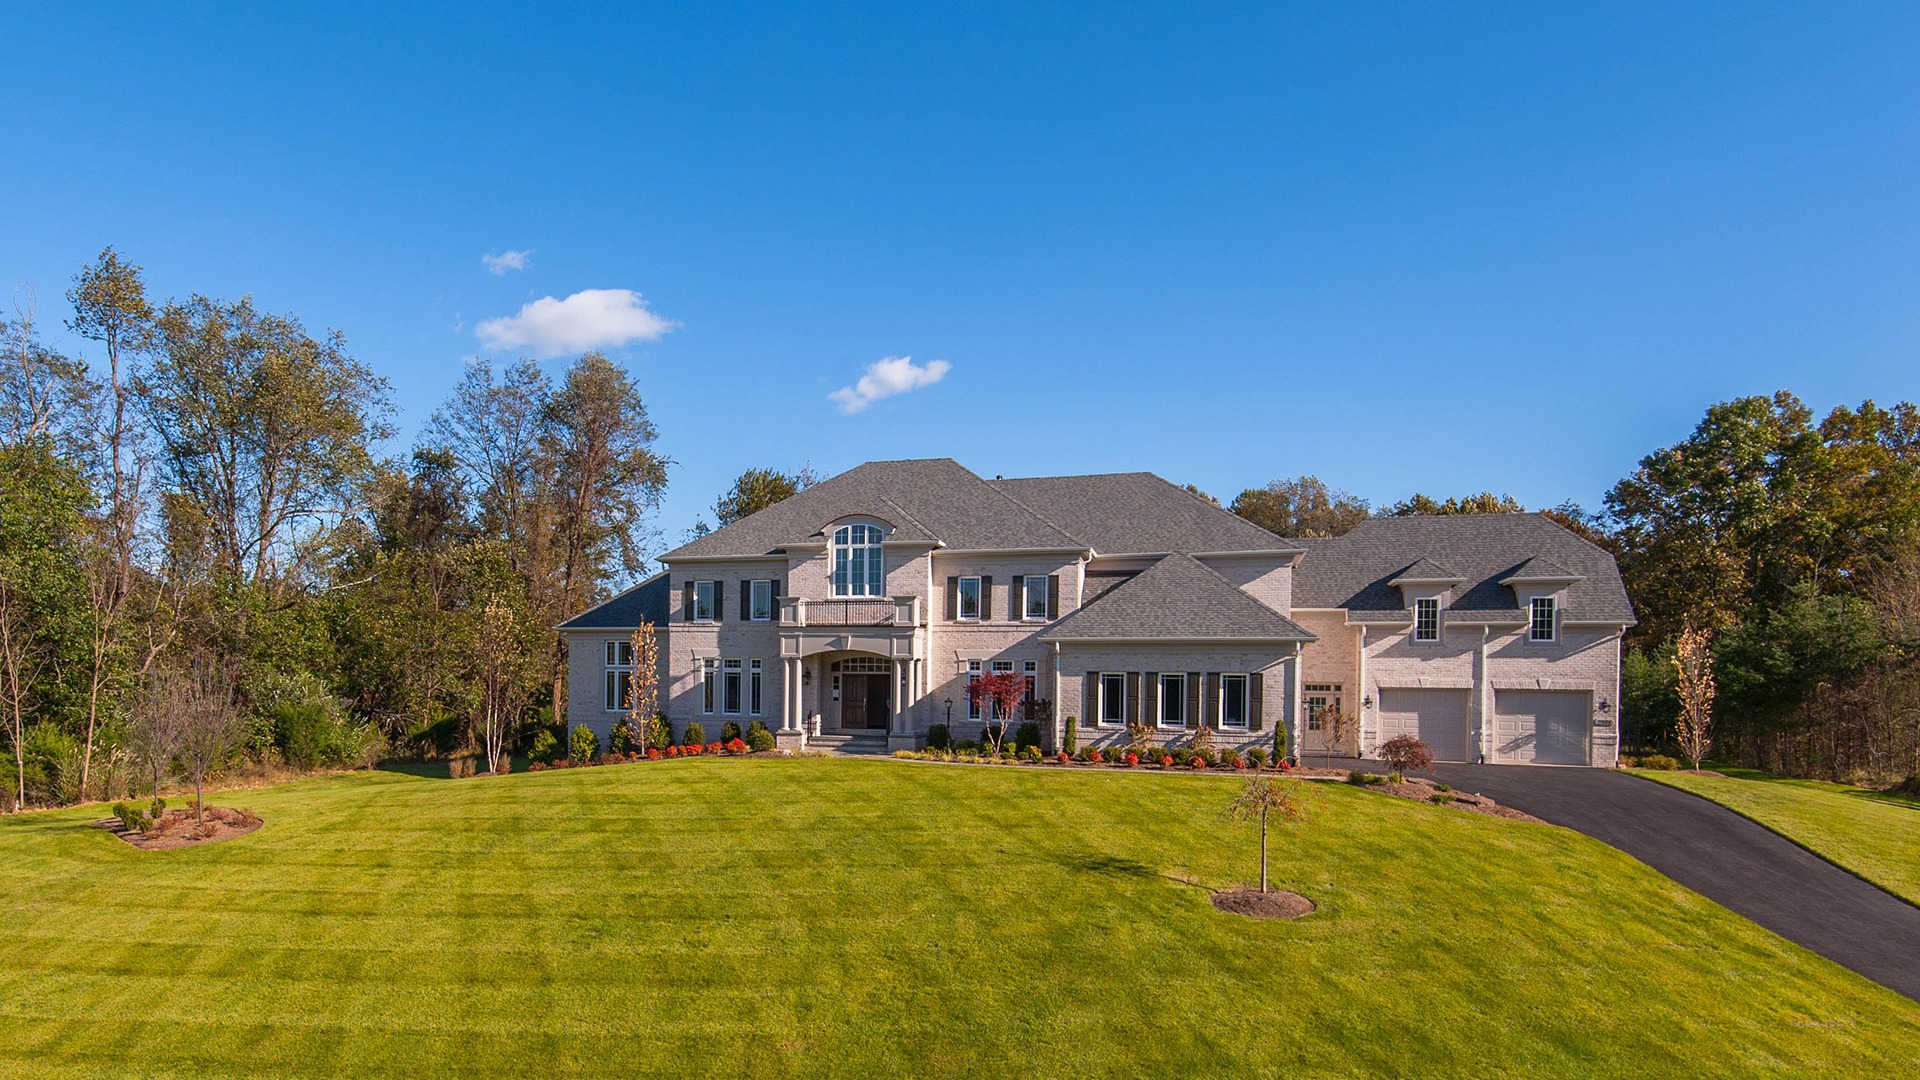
(931, 499)
(645, 602)
(1177, 597)
(1540, 569)
(1353, 571)
(1139, 513)
(1425, 571)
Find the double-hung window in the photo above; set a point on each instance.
(760, 601)
(1426, 619)
(709, 688)
(753, 695)
(1036, 589)
(1032, 670)
(1173, 701)
(1000, 667)
(1540, 626)
(1113, 699)
(619, 674)
(973, 706)
(967, 607)
(703, 601)
(857, 566)
(730, 689)
(1233, 701)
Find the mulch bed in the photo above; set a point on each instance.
(1420, 789)
(178, 829)
(1254, 904)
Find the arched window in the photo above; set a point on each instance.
(857, 569)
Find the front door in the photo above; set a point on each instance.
(853, 700)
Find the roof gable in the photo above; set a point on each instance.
(1177, 598)
(1139, 513)
(645, 602)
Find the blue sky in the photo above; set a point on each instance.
(1421, 247)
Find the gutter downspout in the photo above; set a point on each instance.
(1481, 682)
(1059, 722)
(1362, 695)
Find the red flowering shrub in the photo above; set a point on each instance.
(1064, 757)
(537, 766)
(1133, 760)
(715, 747)
(673, 751)
(1166, 761)
(653, 753)
(1094, 756)
(736, 746)
(1239, 762)
(692, 750)
(1199, 761)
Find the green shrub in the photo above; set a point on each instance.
(1181, 754)
(1073, 735)
(1257, 757)
(1031, 753)
(130, 816)
(967, 746)
(545, 747)
(695, 735)
(1442, 787)
(939, 737)
(659, 733)
(1441, 797)
(583, 745)
(759, 739)
(1026, 737)
(1659, 762)
(620, 739)
(1204, 754)
(729, 731)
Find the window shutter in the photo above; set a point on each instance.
(1256, 690)
(1091, 707)
(986, 599)
(719, 598)
(1133, 697)
(1150, 703)
(1053, 596)
(746, 601)
(686, 604)
(953, 597)
(1017, 598)
(1211, 703)
(1194, 716)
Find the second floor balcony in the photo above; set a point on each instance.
(902, 611)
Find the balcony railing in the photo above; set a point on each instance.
(856, 611)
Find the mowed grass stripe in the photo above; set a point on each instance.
(826, 917)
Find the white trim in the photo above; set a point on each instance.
(1100, 707)
(1418, 603)
(1026, 597)
(756, 689)
(772, 602)
(979, 598)
(1553, 620)
(1246, 701)
(1160, 710)
(713, 601)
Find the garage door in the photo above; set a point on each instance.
(1439, 717)
(1540, 727)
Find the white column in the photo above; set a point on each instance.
(790, 695)
(899, 721)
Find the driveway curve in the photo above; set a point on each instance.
(1717, 853)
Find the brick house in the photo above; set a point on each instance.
(859, 610)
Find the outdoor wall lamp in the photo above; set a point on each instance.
(806, 676)
(1605, 705)
(949, 712)
(1367, 702)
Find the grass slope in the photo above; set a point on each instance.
(867, 918)
(1870, 833)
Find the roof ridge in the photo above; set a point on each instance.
(1010, 497)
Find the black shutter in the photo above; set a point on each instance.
(1017, 598)
(953, 598)
(719, 598)
(1091, 708)
(686, 604)
(986, 599)
(746, 601)
(1133, 697)
(1053, 596)
(1194, 715)
(1210, 704)
(1256, 690)
(1150, 699)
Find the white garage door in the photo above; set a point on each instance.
(1439, 717)
(1540, 727)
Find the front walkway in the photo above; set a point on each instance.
(1740, 865)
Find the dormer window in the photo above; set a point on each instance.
(857, 566)
(1540, 624)
(1426, 619)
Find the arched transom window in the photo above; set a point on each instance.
(857, 569)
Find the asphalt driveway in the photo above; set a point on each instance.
(1722, 856)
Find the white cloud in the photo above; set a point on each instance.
(498, 265)
(885, 378)
(589, 319)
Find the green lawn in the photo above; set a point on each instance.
(1872, 834)
(882, 918)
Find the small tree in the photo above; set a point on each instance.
(1693, 662)
(643, 683)
(153, 725)
(1338, 725)
(501, 684)
(210, 727)
(1263, 797)
(1406, 753)
(1003, 689)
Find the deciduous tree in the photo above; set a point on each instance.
(1304, 506)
